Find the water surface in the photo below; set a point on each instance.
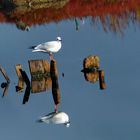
(97, 114)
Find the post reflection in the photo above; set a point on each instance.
(4, 85)
(27, 90)
(92, 72)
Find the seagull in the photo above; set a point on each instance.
(49, 47)
(56, 118)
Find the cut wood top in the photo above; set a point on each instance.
(91, 61)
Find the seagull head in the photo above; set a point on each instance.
(58, 38)
(67, 124)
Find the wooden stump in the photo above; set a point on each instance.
(91, 66)
(20, 85)
(40, 75)
(39, 68)
(91, 61)
(4, 74)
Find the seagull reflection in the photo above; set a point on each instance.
(56, 118)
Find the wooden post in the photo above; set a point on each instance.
(39, 68)
(18, 68)
(40, 75)
(91, 62)
(91, 66)
(20, 85)
(102, 80)
(55, 85)
(4, 74)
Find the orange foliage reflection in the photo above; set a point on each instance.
(114, 15)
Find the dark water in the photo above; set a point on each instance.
(109, 114)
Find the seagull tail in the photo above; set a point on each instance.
(39, 121)
(37, 50)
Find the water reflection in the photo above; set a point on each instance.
(113, 15)
(44, 75)
(92, 72)
(4, 85)
(56, 118)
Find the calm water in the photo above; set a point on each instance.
(110, 114)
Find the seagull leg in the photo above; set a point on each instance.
(51, 56)
(56, 108)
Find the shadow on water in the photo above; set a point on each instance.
(114, 16)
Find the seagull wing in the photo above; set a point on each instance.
(50, 45)
(40, 47)
(59, 118)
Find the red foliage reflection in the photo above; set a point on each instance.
(113, 15)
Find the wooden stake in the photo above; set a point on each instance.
(18, 68)
(40, 75)
(4, 74)
(20, 85)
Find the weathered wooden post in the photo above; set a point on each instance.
(92, 72)
(91, 66)
(40, 75)
(91, 62)
(4, 74)
(55, 84)
(20, 85)
(101, 79)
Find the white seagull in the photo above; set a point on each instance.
(56, 118)
(49, 47)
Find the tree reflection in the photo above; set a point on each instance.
(114, 15)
